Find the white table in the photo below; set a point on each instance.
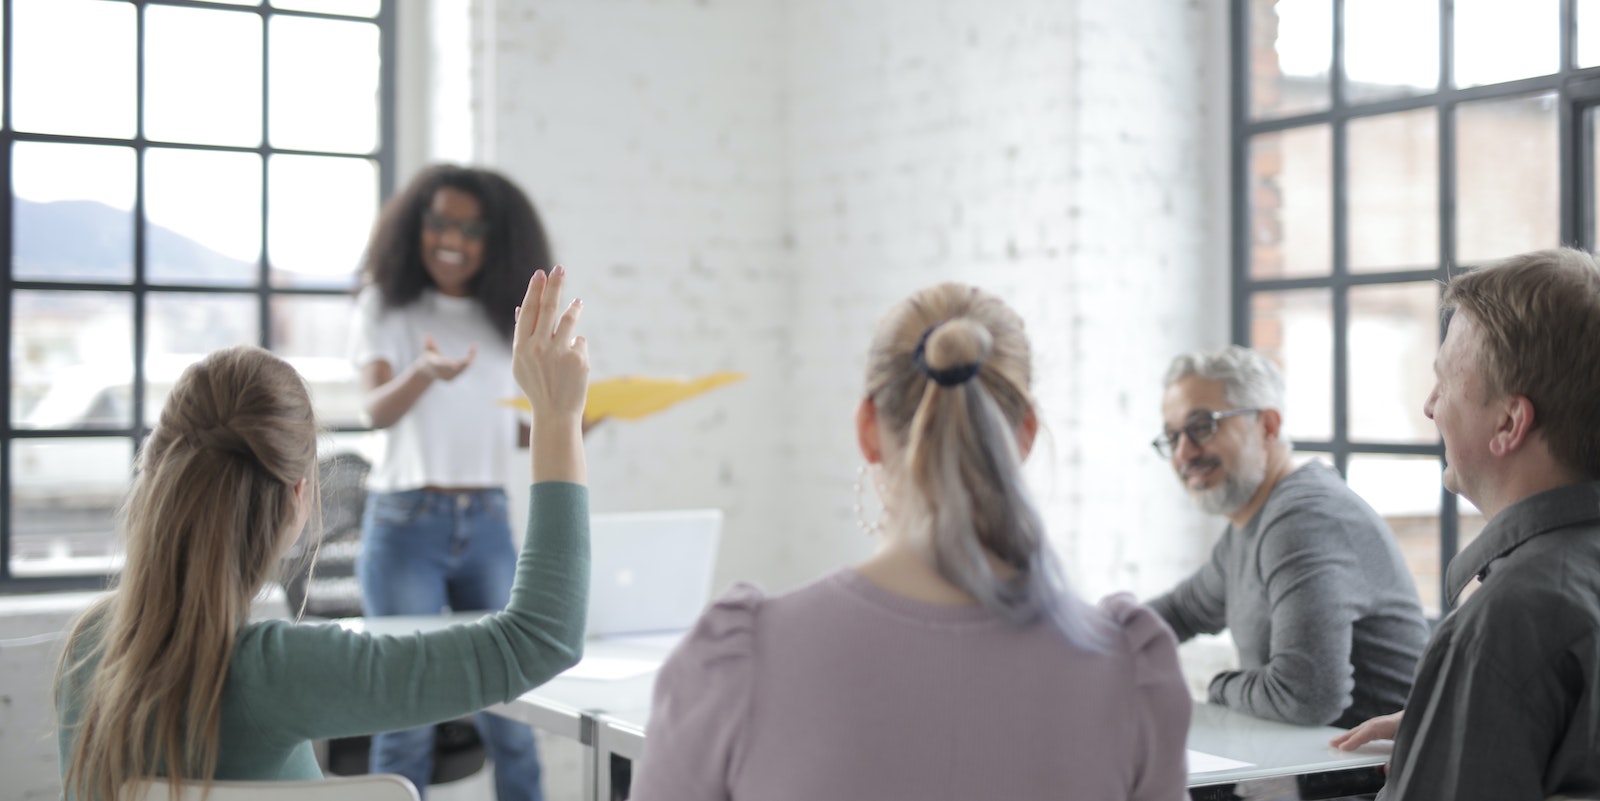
(608, 717)
(1275, 753)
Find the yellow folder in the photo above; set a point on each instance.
(631, 397)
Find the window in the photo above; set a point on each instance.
(182, 176)
(1377, 145)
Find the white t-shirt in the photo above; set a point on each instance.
(459, 433)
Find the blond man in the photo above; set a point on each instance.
(1506, 704)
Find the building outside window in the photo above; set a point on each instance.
(182, 177)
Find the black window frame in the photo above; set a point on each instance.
(1576, 90)
(383, 155)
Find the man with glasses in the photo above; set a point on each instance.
(1507, 700)
(1307, 577)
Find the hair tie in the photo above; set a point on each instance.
(949, 376)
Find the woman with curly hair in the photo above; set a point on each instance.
(431, 341)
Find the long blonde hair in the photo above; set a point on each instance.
(949, 373)
(206, 519)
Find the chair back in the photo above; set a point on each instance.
(372, 787)
(328, 587)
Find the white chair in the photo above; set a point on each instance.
(371, 787)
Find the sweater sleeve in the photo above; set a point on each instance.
(1310, 578)
(1161, 704)
(323, 681)
(701, 702)
(1198, 605)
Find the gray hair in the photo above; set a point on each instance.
(1249, 379)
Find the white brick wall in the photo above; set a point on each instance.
(749, 185)
(651, 135)
(1056, 153)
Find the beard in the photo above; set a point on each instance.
(1238, 485)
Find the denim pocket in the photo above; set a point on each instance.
(495, 506)
(395, 508)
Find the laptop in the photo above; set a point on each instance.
(650, 571)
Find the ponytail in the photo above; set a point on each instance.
(957, 399)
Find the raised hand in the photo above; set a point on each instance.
(551, 365)
(439, 367)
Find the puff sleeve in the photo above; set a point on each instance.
(701, 704)
(1161, 704)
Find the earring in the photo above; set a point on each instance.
(876, 526)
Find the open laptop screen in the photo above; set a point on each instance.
(651, 571)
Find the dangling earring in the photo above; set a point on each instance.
(876, 526)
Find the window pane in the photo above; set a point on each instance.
(74, 67)
(73, 212)
(1391, 48)
(351, 8)
(311, 331)
(1393, 335)
(1394, 191)
(1405, 491)
(1295, 329)
(64, 494)
(324, 84)
(1507, 177)
(1498, 41)
(319, 214)
(1591, 130)
(1291, 203)
(203, 212)
(70, 359)
(1588, 33)
(184, 326)
(202, 76)
(1291, 54)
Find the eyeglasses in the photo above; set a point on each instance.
(1199, 430)
(474, 230)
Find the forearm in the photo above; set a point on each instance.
(1275, 692)
(390, 400)
(1306, 676)
(556, 448)
(550, 596)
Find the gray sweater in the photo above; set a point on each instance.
(1322, 610)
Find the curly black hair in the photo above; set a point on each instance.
(516, 244)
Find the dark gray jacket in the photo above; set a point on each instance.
(1507, 700)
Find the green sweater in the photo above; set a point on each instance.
(292, 683)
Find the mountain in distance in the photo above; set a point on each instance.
(86, 240)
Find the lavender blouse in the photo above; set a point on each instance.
(843, 690)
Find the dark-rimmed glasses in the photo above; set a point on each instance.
(1201, 428)
(474, 230)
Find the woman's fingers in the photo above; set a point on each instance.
(549, 300)
(569, 321)
(528, 312)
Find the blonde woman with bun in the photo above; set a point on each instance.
(952, 664)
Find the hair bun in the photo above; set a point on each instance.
(952, 352)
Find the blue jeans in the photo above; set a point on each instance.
(423, 551)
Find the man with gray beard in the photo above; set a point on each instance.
(1307, 577)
